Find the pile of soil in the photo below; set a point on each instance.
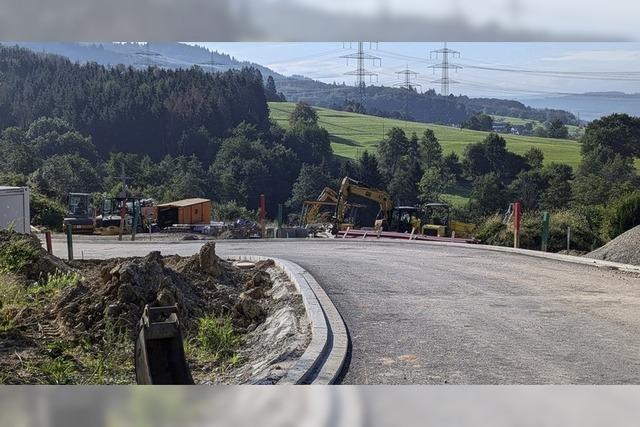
(115, 292)
(624, 249)
(111, 295)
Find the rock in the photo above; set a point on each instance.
(255, 293)
(127, 273)
(259, 279)
(165, 298)
(113, 310)
(105, 274)
(622, 249)
(208, 259)
(249, 308)
(128, 294)
(263, 265)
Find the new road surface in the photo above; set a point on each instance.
(421, 313)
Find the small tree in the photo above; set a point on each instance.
(488, 196)
(403, 185)
(303, 114)
(527, 188)
(433, 183)
(558, 192)
(557, 129)
(534, 157)
(368, 170)
(430, 150)
(311, 181)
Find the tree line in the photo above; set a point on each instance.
(152, 111)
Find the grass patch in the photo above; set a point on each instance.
(56, 371)
(51, 285)
(60, 361)
(215, 340)
(353, 133)
(16, 254)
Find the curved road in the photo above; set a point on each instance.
(420, 313)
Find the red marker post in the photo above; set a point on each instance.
(516, 224)
(47, 238)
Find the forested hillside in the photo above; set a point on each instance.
(67, 127)
(385, 101)
(153, 111)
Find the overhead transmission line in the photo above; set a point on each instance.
(407, 84)
(361, 72)
(445, 66)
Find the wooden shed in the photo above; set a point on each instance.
(187, 211)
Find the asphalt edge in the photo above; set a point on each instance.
(324, 358)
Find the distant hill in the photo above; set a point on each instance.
(352, 133)
(384, 101)
(140, 55)
(591, 105)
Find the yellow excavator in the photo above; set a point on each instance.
(433, 219)
(351, 187)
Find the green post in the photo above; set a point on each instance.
(545, 231)
(279, 215)
(69, 243)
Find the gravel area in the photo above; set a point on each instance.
(624, 249)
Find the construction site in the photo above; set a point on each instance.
(260, 241)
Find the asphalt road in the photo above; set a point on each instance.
(420, 313)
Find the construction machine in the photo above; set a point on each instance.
(351, 187)
(80, 213)
(116, 209)
(438, 222)
(432, 219)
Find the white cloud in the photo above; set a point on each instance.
(597, 55)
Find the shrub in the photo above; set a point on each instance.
(230, 211)
(622, 215)
(216, 335)
(492, 231)
(16, 253)
(46, 212)
(55, 282)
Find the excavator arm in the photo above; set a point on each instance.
(351, 187)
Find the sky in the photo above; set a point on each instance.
(508, 70)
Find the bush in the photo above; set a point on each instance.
(230, 211)
(492, 231)
(622, 215)
(46, 212)
(216, 335)
(16, 253)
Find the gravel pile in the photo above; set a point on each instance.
(624, 249)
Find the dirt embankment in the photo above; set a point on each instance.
(624, 249)
(76, 322)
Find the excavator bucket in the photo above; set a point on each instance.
(159, 353)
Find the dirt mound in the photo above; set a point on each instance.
(114, 293)
(624, 249)
(78, 324)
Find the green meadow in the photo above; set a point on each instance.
(352, 133)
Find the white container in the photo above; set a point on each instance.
(14, 209)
